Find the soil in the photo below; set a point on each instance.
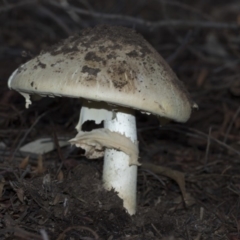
(59, 195)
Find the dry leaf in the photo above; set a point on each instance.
(24, 163)
(202, 77)
(60, 176)
(39, 169)
(20, 194)
(57, 199)
(177, 176)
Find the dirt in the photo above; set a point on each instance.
(59, 195)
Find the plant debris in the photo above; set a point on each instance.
(189, 183)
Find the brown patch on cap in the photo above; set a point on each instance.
(39, 64)
(90, 71)
(67, 46)
(133, 54)
(111, 55)
(118, 36)
(123, 78)
(92, 56)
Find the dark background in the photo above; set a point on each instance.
(201, 42)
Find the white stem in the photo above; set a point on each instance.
(117, 173)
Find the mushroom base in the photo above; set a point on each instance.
(118, 173)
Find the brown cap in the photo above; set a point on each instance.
(110, 64)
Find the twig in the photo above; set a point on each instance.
(158, 233)
(56, 19)
(149, 24)
(186, 7)
(237, 223)
(201, 135)
(44, 234)
(72, 14)
(177, 176)
(208, 147)
(55, 138)
(217, 141)
(181, 48)
(231, 124)
(21, 233)
(155, 175)
(79, 228)
(17, 5)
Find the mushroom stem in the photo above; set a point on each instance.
(117, 173)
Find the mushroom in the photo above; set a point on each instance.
(114, 71)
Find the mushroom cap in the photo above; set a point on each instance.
(110, 64)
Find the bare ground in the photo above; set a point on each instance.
(59, 195)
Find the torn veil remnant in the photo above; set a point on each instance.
(115, 71)
(95, 142)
